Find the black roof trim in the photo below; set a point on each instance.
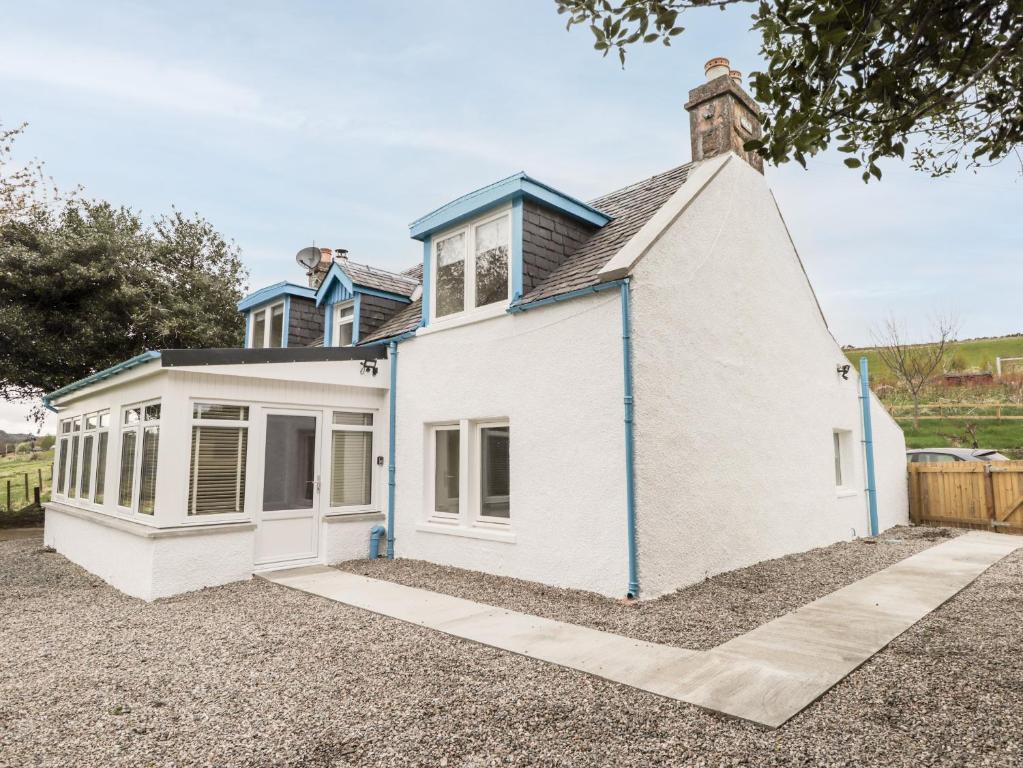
(173, 358)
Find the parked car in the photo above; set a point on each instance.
(936, 455)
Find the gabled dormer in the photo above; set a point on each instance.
(486, 249)
(281, 315)
(356, 299)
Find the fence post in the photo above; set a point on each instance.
(26, 487)
(9, 507)
(36, 498)
(989, 493)
(40, 477)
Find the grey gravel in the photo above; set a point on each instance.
(701, 616)
(253, 674)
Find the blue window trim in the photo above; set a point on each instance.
(356, 312)
(516, 249)
(427, 279)
(328, 326)
(516, 186)
(285, 333)
(273, 293)
(258, 307)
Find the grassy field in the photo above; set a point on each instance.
(14, 469)
(1004, 436)
(976, 354)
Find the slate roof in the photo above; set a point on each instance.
(416, 272)
(405, 319)
(380, 279)
(630, 208)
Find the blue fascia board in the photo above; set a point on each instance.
(275, 291)
(516, 249)
(337, 274)
(516, 186)
(106, 373)
(427, 278)
(356, 311)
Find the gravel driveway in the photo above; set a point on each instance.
(256, 675)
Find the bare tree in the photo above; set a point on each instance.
(915, 364)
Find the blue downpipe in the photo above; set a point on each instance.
(374, 540)
(392, 350)
(868, 444)
(630, 486)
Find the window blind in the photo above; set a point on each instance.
(147, 479)
(101, 466)
(127, 485)
(351, 468)
(217, 474)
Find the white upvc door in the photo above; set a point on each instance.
(289, 510)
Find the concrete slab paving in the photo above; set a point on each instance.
(767, 675)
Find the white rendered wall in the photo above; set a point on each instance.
(166, 565)
(556, 374)
(737, 397)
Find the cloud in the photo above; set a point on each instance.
(174, 87)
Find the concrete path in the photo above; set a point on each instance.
(767, 675)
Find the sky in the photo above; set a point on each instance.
(338, 123)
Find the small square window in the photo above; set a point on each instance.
(446, 471)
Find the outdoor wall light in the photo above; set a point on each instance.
(843, 371)
(369, 366)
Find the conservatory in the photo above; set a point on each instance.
(183, 469)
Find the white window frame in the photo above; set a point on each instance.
(95, 469)
(470, 460)
(336, 321)
(328, 458)
(469, 309)
(267, 325)
(247, 424)
(841, 441)
(476, 476)
(139, 429)
(61, 479)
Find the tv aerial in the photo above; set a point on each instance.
(308, 257)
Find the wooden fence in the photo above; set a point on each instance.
(20, 490)
(968, 494)
(971, 411)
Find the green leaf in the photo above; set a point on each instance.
(852, 162)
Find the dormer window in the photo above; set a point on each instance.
(471, 266)
(344, 325)
(267, 326)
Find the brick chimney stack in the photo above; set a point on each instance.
(317, 273)
(722, 116)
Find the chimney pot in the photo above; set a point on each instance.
(325, 254)
(716, 67)
(342, 253)
(736, 75)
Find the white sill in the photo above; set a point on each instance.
(489, 312)
(845, 493)
(474, 532)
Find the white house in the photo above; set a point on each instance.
(624, 396)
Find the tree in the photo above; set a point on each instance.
(915, 364)
(940, 79)
(84, 284)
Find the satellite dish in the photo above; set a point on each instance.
(308, 257)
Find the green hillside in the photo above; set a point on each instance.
(973, 354)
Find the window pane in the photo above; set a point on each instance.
(494, 472)
(62, 466)
(344, 334)
(492, 262)
(258, 328)
(65, 426)
(353, 419)
(450, 275)
(218, 411)
(101, 465)
(351, 468)
(86, 464)
(104, 419)
(76, 424)
(277, 326)
(345, 311)
(152, 412)
(838, 459)
(289, 472)
(127, 484)
(91, 421)
(445, 479)
(217, 476)
(147, 481)
(132, 416)
(72, 482)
